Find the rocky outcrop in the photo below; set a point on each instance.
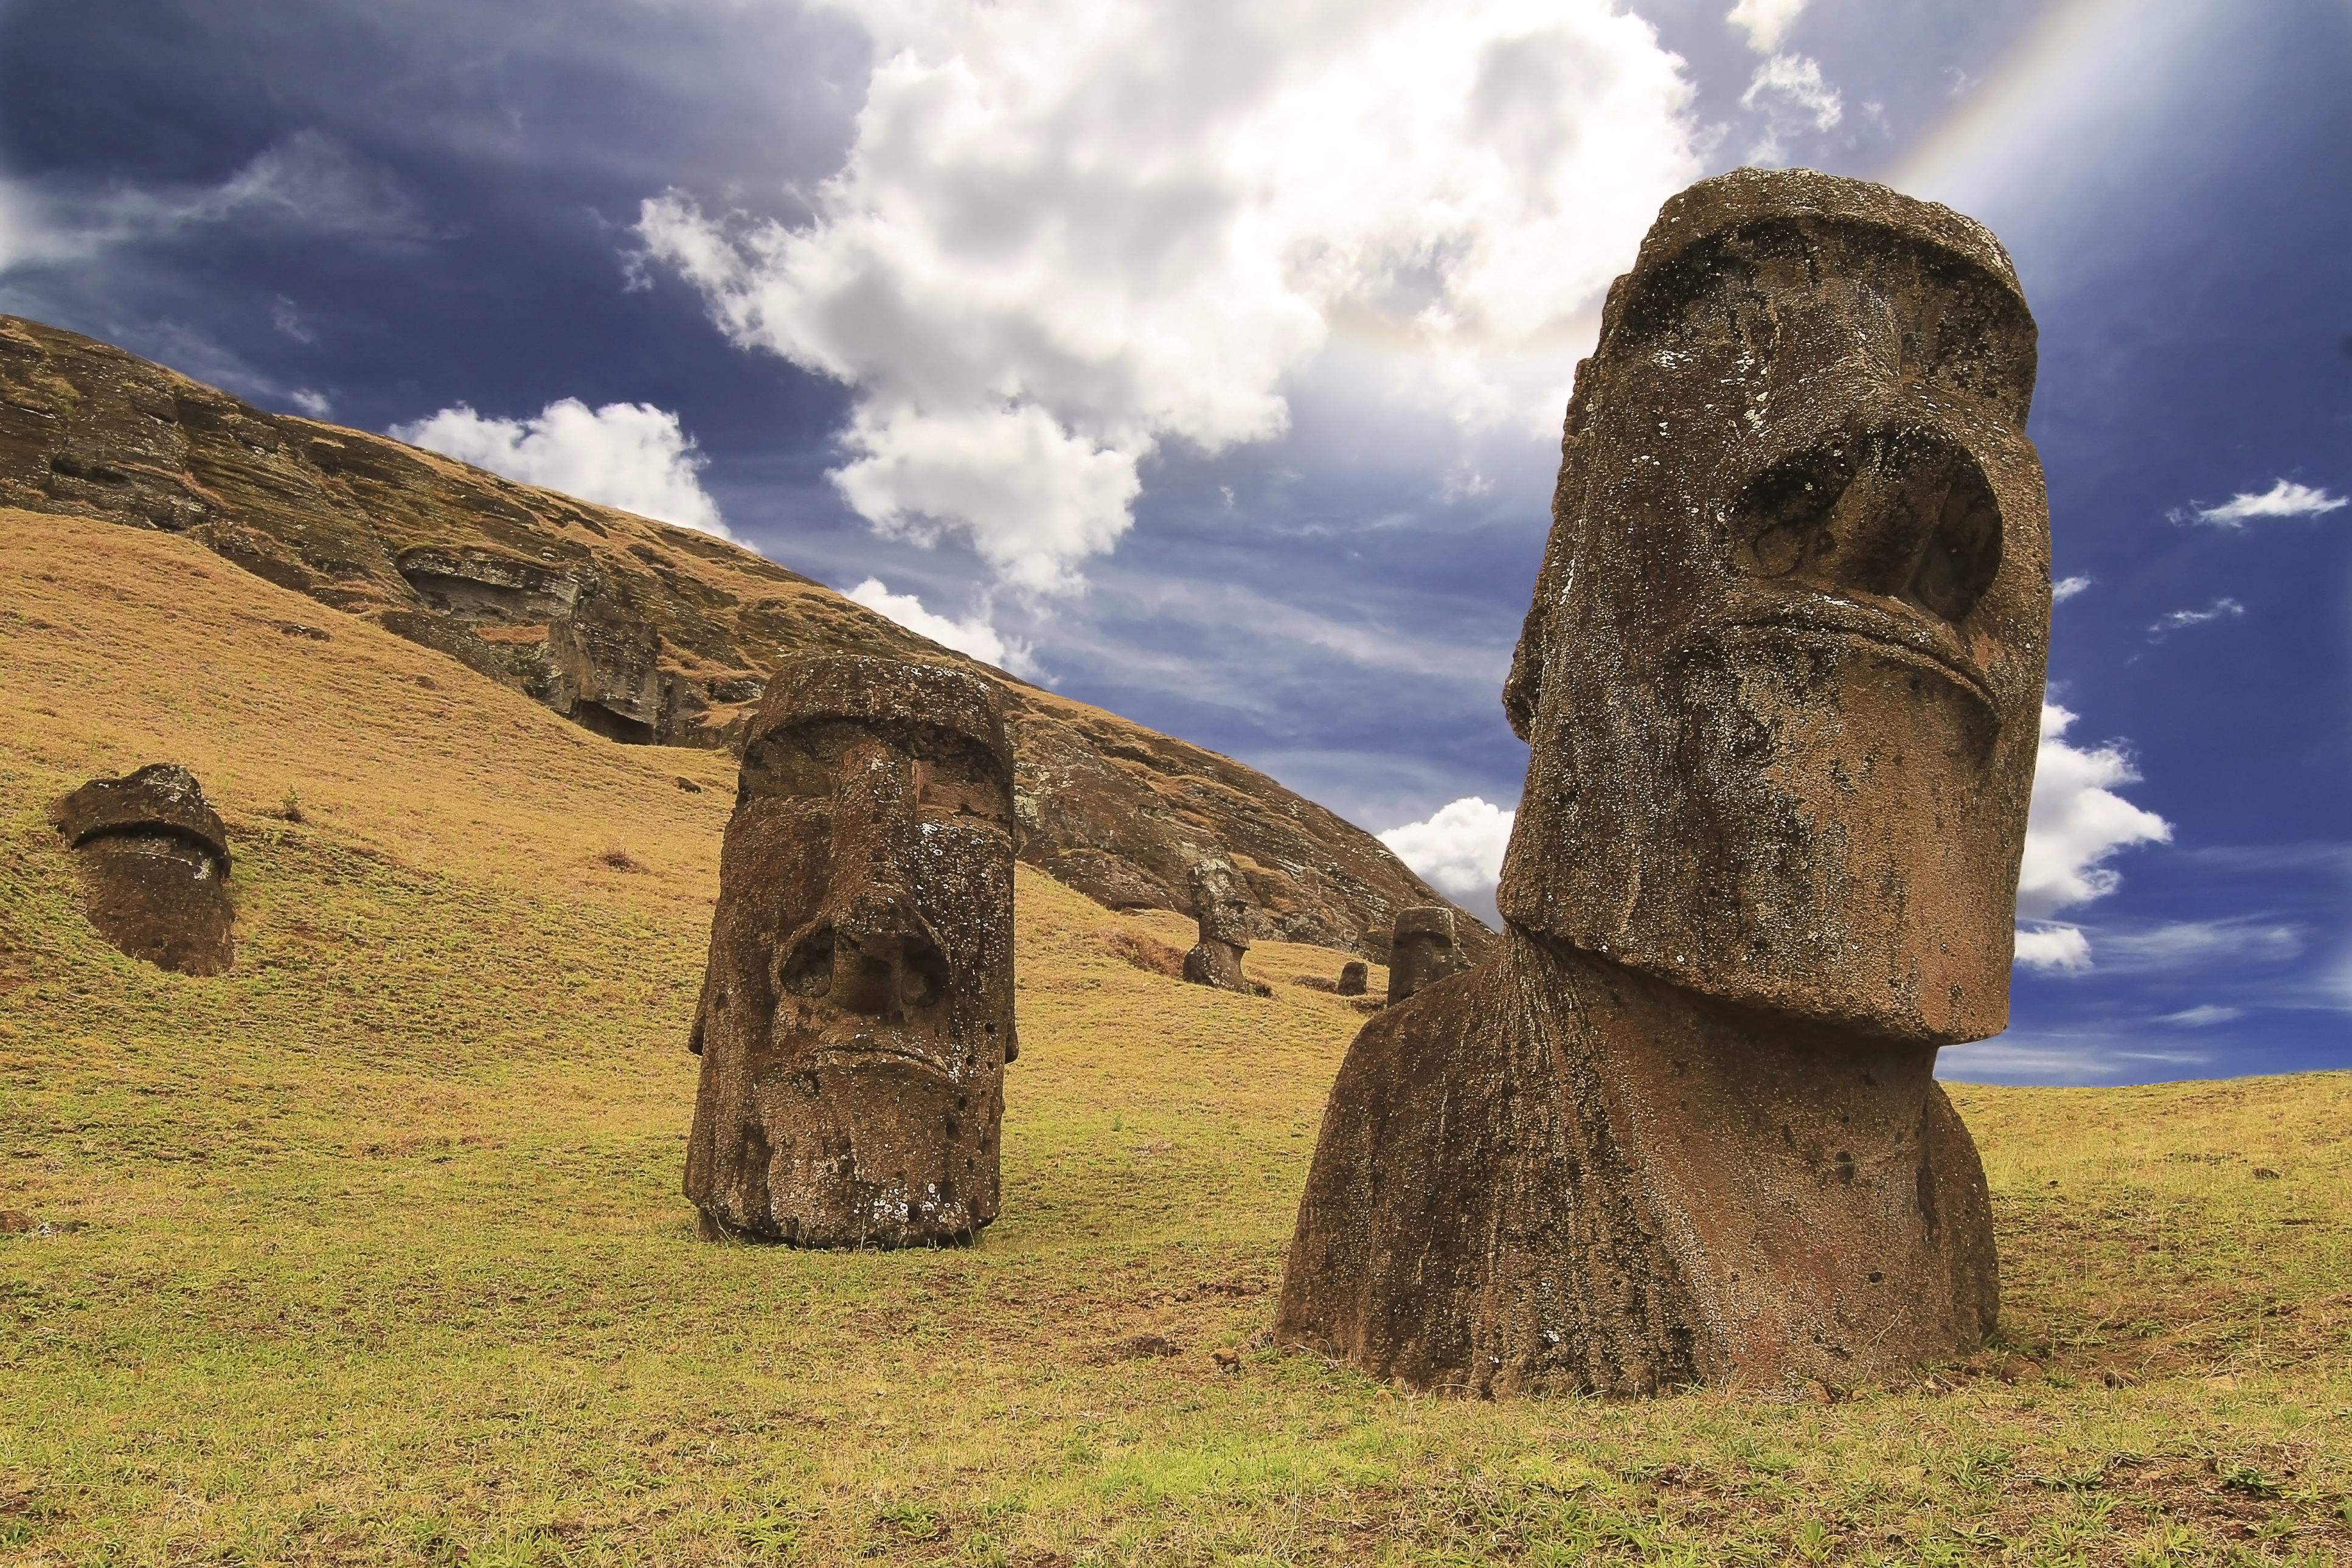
(638, 631)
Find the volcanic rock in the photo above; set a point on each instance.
(1781, 679)
(154, 866)
(639, 631)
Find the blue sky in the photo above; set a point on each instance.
(1206, 361)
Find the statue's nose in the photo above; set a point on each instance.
(869, 951)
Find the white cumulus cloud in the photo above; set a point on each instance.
(631, 456)
(1071, 231)
(2076, 824)
(2060, 948)
(2284, 499)
(973, 636)
(1459, 849)
(1766, 22)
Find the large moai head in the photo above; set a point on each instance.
(1783, 670)
(856, 1013)
(155, 864)
(1421, 949)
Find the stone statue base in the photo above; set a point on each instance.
(1553, 1173)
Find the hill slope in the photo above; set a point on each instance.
(635, 630)
(372, 1249)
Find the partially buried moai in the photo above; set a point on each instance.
(1421, 949)
(154, 866)
(1781, 679)
(856, 1011)
(1221, 904)
(1353, 978)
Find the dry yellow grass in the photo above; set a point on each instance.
(372, 1250)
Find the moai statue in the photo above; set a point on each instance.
(154, 866)
(1421, 949)
(1781, 679)
(856, 1011)
(1353, 978)
(1221, 903)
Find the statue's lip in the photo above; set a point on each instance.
(1828, 614)
(875, 1044)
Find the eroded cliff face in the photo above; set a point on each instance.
(643, 633)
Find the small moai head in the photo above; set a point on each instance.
(1782, 675)
(1221, 903)
(1354, 978)
(154, 863)
(1421, 949)
(858, 1010)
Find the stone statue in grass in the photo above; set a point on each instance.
(1421, 949)
(1221, 904)
(856, 1011)
(1781, 679)
(154, 866)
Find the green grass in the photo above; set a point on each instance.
(381, 1256)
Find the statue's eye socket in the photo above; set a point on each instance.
(809, 971)
(1962, 552)
(1900, 514)
(1781, 519)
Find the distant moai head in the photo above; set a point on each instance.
(1353, 978)
(1421, 950)
(1221, 903)
(1783, 670)
(155, 864)
(857, 1011)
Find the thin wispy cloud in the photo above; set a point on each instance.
(2066, 588)
(2189, 944)
(2203, 1016)
(308, 183)
(1792, 95)
(2223, 609)
(2284, 499)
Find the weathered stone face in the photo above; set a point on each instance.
(1783, 670)
(1421, 950)
(1353, 978)
(857, 1010)
(1221, 903)
(154, 865)
(1781, 680)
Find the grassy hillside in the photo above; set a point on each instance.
(372, 1250)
